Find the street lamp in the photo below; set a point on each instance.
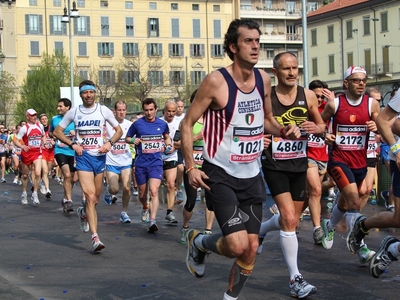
(358, 35)
(66, 18)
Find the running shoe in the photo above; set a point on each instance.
(113, 199)
(364, 254)
(207, 232)
(329, 234)
(170, 218)
(385, 197)
(107, 197)
(48, 194)
(15, 181)
(3, 180)
(183, 232)
(83, 223)
(356, 234)
(390, 208)
(145, 215)
(97, 244)
(35, 198)
(383, 258)
(331, 196)
(43, 189)
(67, 206)
(153, 227)
(306, 212)
(124, 218)
(274, 209)
(19, 182)
(135, 192)
(260, 244)
(299, 288)
(179, 196)
(318, 235)
(24, 198)
(195, 256)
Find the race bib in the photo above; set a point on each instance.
(34, 141)
(246, 144)
(151, 143)
(351, 137)
(90, 139)
(198, 155)
(119, 147)
(283, 149)
(316, 141)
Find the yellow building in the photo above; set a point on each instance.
(168, 44)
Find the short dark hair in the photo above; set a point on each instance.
(148, 101)
(86, 82)
(315, 84)
(232, 35)
(66, 102)
(277, 59)
(370, 90)
(119, 102)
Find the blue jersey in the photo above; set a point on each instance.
(149, 151)
(61, 148)
(3, 137)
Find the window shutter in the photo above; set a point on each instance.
(181, 50)
(40, 29)
(100, 50)
(112, 49)
(51, 24)
(27, 24)
(124, 49)
(182, 77)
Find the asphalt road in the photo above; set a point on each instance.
(44, 255)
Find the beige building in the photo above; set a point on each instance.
(166, 44)
(356, 32)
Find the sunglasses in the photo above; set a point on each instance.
(320, 97)
(357, 80)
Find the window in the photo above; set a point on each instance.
(80, 3)
(153, 5)
(128, 5)
(312, 5)
(195, 7)
(175, 28)
(174, 6)
(105, 26)
(131, 77)
(129, 26)
(105, 49)
(314, 37)
(196, 28)
(103, 3)
(216, 8)
(56, 27)
(82, 49)
(35, 48)
(176, 78)
(155, 77)
(384, 21)
(34, 24)
(349, 29)
(106, 77)
(153, 27)
(350, 59)
(130, 49)
(217, 29)
(154, 49)
(268, 4)
(196, 77)
(217, 50)
(291, 6)
(270, 53)
(197, 50)
(82, 26)
(331, 68)
(32, 2)
(176, 50)
(330, 34)
(367, 26)
(368, 64)
(58, 47)
(57, 3)
(314, 66)
(83, 75)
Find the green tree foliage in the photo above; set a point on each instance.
(41, 87)
(8, 96)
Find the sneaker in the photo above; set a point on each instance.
(390, 208)
(48, 195)
(274, 209)
(260, 244)
(383, 258)
(184, 232)
(57, 179)
(207, 232)
(145, 215)
(195, 257)
(170, 218)
(107, 197)
(24, 199)
(83, 223)
(97, 244)
(300, 288)
(15, 181)
(327, 239)
(179, 196)
(331, 196)
(113, 199)
(35, 198)
(70, 205)
(364, 254)
(135, 192)
(19, 182)
(306, 212)
(64, 204)
(153, 227)
(3, 180)
(43, 189)
(318, 234)
(124, 218)
(385, 197)
(356, 234)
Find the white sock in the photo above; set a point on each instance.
(349, 218)
(290, 246)
(336, 217)
(227, 297)
(394, 249)
(270, 225)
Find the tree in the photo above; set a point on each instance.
(41, 87)
(8, 92)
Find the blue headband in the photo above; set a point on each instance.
(87, 87)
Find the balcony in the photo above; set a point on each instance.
(266, 61)
(269, 13)
(289, 38)
(384, 69)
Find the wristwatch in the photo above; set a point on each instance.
(71, 145)
(111, 142)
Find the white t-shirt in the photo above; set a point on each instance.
(173, 127)
(119, 154)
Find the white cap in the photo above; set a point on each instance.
(31, 112)
(351, 70)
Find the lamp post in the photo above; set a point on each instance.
(66, 18)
